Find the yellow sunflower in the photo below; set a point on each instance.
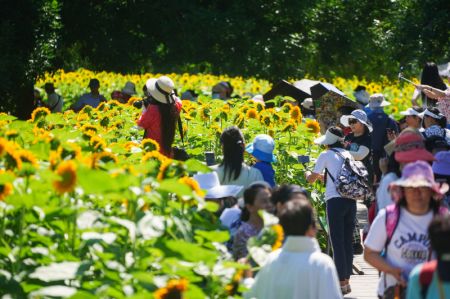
(193, 184)
(12, 159)
(278, 229)
(313, 126)
(97, 143)
(5, 190)
(296, 114)
(39, 113)
(11, 134)
(173, 289)
(252, 113)
(28, 157)
(67, 171)
(104, 157)
(265, 120)
(149, 145)
(3, 145)
(170, 169)
(154, 155)
(290, 126)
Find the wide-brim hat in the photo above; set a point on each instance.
(410, 147)
(161, 89)
(427, 112)
(328, 138)
(411, 112)
(377, 100)
(129, 89)
(442, 163)
(262, 148)
(210, 182)
(419, 174)
(359, 115)
(308, 103)
(362, 96)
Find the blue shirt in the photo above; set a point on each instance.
(267, 171)
(380, 122)
(88, 99)
(415, 289)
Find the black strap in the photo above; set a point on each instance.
(54, 106)
(180, 128)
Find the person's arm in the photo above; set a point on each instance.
(375, 259)
(361, 153)
(78, 105)
(316, 174)
(147, 119)
(415, 96)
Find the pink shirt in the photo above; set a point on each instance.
(150, 120)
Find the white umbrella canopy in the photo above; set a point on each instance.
(305, 85)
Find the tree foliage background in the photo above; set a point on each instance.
(266, 39)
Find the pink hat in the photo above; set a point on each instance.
(410, 147)
(417, 174)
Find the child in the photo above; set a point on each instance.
(262, 149)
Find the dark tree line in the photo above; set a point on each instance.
(267, 39)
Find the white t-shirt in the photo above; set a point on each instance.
(333, 162)
(248, 175)
(384, 197)
(409, 245)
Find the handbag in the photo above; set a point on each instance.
(180, 154)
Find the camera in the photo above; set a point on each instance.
(210, 158)
(145, 102)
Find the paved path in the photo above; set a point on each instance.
(363, 286)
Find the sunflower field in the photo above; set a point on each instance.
(90, 210)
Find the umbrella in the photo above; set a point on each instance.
(305, 85)
(330, 104)
(284, 88)
(444, 69)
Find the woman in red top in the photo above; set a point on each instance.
(159, 119)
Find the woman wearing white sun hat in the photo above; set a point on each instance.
(160, 117)
(341, 212)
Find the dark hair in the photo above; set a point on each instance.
(393, 165)
(430, 76)
(169, 118)
(442, 120)
(418, 109)
(249, 199)
(297, 217)
(285, 193)
(338, 132)
(434, 204)
(439, 234)
(436, 142)
(232, 141)
(49, 87)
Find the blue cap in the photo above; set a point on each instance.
(262, 148)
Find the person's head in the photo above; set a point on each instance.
(262, 148)
(393, 166)
(297, 218)
(333, 138)
(94, 85)
(129, 88)
(189, 95)
(256, 198)
(284, 193)
(436, 144)
(357, 121)
(49, 88)
(161, 93)
(430, 76)
(432, 116)
(222, 90)
(361, 95)
(413, 117)
(410, 147)
(416, 189)
(376, 101)
(439, 234)
(233, 146)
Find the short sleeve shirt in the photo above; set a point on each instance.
(88, 99)
(333, 163)
(408, 247)
(55, 102)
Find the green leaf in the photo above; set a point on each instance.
(173, 186)
(211, 206)
(214, 236)
(187, 251)
(194, 165)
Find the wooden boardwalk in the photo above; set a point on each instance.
(363, 286)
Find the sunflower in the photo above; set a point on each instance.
(154, 155)
(313, 126)
(193, 184)
(205, 112)
(265, 120)
(5, 190)
(69, 150)
(97, 143)
(102, 107)
(11, 134)
(89, 128)
(132, 100)
(173, 289)
(104, 122)
(286, 107)
(296, 114)
(28, 157)
(54, 159)
(3, 145)
(38, 113)
(278, 229)
(103, 157)
(67, 171)
(232, 288)
(12, 159)
(251, 113)
(130, 144)
(86, 110)
(150, 145)
(289, 127)
(170, 169)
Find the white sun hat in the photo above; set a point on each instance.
(161, 89)
(411, 112)
(210, 182)
(328, 138)
(308, 103)
(377, 100)
(359, 115)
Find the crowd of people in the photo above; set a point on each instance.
(404, 164)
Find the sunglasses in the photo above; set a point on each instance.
(352, 121)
